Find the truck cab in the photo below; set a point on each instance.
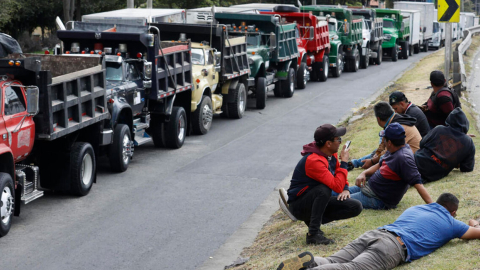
(396, 31)
(438, 39)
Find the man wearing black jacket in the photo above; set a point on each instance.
(401, 105)
(445, 148)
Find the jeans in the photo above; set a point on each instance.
(367, 202)
(317, 206)
(357, 163)
(373, 250)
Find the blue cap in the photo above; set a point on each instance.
(394, 131)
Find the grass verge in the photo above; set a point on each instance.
(281, 238)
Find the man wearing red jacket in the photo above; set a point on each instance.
(316, 175)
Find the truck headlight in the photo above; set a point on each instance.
(250, 61)
(147, 67)
(387, 37)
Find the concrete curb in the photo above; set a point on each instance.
(245, 235)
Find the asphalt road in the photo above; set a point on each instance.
(173, 208)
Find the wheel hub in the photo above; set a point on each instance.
(127, 149)
(7, 205)
(207, 116)
(241, 103)
(87, 169)
(181, 128)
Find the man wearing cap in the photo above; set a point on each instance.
(401, 105)
(315, 176)
(442, 101)
(392, 176)
(445, 148)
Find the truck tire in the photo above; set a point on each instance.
(379, 58)
(365, 59)
(121, 152)
(425, 46)
(176, 128)
(7, 199)
(322, 69)
(288, 85)
(261, 92)
(337, 71)
(277, 91)
(302, 76)
(236, 110)
(82, 168)
(355, 62)
(410, 50)
(416, 48)
(394, 53)
(157, 132)
(203, 116)
(405, 50)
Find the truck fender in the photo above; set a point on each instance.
(6, 160)
(226, 87)
(122, 114)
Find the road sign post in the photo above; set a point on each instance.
(448, 12)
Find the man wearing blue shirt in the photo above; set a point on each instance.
(419, 231)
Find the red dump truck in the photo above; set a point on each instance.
(313, 44)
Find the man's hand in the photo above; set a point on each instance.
(344, 195)
(367, 163)
(424, 108)
(345, 154)
(473, 223)
(361, 179)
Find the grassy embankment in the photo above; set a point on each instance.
(281, 238)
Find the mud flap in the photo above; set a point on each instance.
(18, 202)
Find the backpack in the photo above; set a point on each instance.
(455, 99)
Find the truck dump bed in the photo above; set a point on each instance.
(73, 99)
(234, 61)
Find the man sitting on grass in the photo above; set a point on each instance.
(315, 176)
(390, 179)
(419, 231)
(445, 148)
(401, 105)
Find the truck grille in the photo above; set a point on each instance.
(203, 17)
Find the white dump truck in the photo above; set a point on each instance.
(136, 16)
(416, 37)
(426, 18)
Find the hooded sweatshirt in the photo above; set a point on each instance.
(317, 168)
(446, 147)
(412, 136)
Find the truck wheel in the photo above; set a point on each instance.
(302, 76)
(7, 200)
(261, 92)
(277, 91)
(157, 132)
(365, 59)
(288, 85)
(425, 46)
(379, 58)
(82, 168)
(416, 48)
(322, 69)
(121, 148)
(394, 53)
(355, 62)
(337, 71)
(405, 50)
(236, 110)
(410, 50)
(176, 129)
(203, 116)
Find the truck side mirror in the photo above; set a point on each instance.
(32, 100)
(218, 57)
(424, 29)
(312, 33)
(273, 41)
(147, 68)
(402, 27)
(441, 30)
(217, 68)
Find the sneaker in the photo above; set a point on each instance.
(285, 210)
(350, 166)
(284, 196)
(319, 239)
(301, 261)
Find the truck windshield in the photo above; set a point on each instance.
(198, 57)
(387, 24)
(435, 27)
(114, 71)
(332, 26)
(253, 40)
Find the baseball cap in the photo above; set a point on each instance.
(327, 131)
(437, 78)
(396, 96)
(394, 131)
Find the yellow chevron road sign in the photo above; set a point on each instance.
(448, 11)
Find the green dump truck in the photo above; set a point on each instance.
(345, 37)
(396, 31)
(272, 52)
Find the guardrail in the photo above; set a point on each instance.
(459, 73)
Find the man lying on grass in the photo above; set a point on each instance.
(419, 231)
(392, 176)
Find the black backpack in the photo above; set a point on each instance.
(455, 101)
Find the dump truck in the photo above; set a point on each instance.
(136, 16)
(438, 39)
(149, 82)
(313, 44)
(345, 37)
(373, 37)
(396, 32)
(52, 126)
(220, 71)
(272, 52)
(427, 16)
(467, 20)
(204, 15)
(416, 36)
